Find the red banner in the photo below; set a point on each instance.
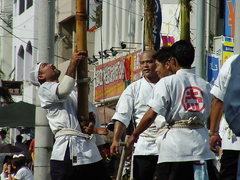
(111, 78)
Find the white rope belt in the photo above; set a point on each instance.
(72, 132)
(149, 136)
(191, 123)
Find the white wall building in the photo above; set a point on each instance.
(6, 38)
(25, 42)
(123, 21)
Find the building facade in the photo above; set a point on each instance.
(24, 44)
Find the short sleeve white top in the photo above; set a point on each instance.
(61, 113)
(133, 103)
(229, 142)
(179, 97)
(24, 173)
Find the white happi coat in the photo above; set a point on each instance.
(179, 97)
(61, 113)
(133, 103)
(229, 140)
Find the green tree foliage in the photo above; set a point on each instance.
(97, 17)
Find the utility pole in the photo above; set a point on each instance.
(43, 134)
(82, 69)
(200, 39)
(237, 28)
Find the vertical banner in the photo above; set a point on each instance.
(229, 20)
(128, 69)
(158, 25)
(213, 68)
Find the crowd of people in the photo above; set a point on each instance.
(18, 166)
(170, 107)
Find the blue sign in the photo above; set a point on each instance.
(213, 68)
(157, 27)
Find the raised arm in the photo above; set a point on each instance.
(67, 83)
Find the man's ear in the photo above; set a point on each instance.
(167, 65)
(174, 61)
(41, 78)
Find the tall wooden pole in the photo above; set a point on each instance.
(185, 20)
(82, 69)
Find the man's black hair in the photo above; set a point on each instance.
(184, 52)
(163, 54)
(19, 162)
(19, 138)
(4, 132)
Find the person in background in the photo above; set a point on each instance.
(98, 138)
(6, 171)
(20, 169)
(31, 148)
(23, 147)
(3, 134)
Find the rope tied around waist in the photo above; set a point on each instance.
(191, 123)
(72, 132)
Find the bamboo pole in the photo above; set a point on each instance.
(149, 22)
(82, 69)
(185, 20)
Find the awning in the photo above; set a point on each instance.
(17, 114)
(23, 114)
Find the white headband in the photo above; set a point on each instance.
(34, 74)
(18, 155)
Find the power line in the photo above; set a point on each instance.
(6, 22)
(15, 35)
(27, 42)
(207, 3)
(123, 9)
(20, 37)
